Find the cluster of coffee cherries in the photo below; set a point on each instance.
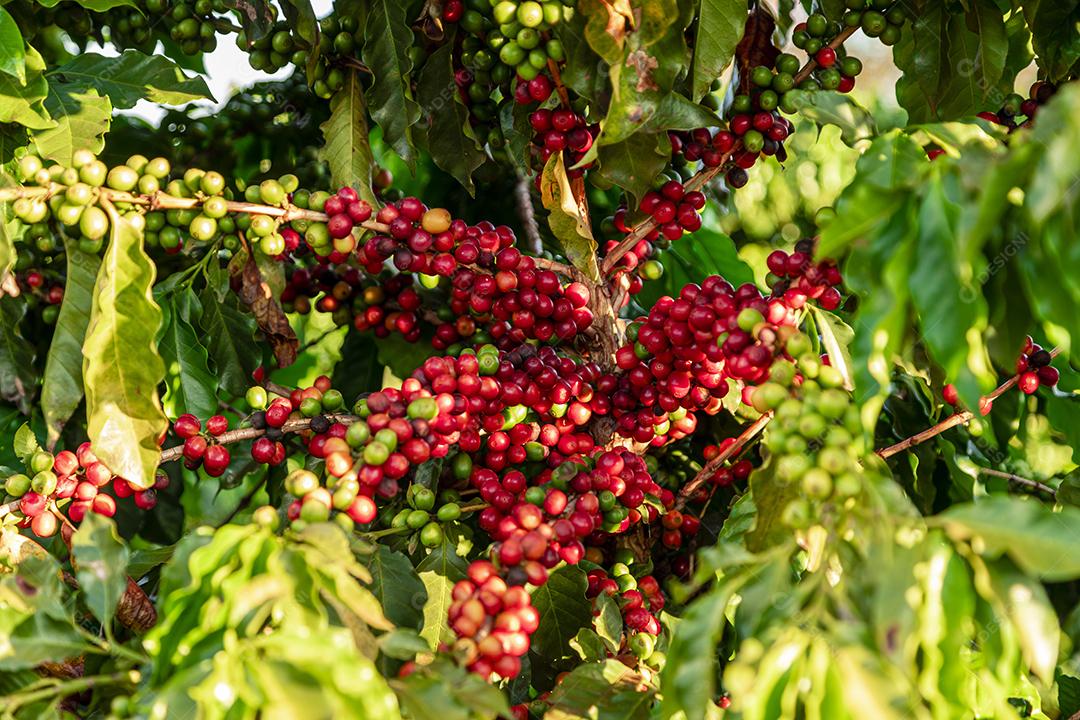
(815, 439)
(881, 19)
(680, 357)
(488, 284)
(72, 482)
(1033, 370)
(796, 277)
(640, 601)
(72, 193)
(516, 32)
(1017, 111)
(492, 620)
(201, 448)
(561, 130)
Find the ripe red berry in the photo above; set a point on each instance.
(826, 57)
(217, 424)
(187, 425)
(1029, 382)
(215, 460)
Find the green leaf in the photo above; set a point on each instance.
(402, 356)
(129, 78)
(229, 338)
(121, 366)
(439, 571)
(834, 108)
(634, 163)
(26, 443)
(402, 644)
(100, 560)
(589, 646)
(1031, 613)
(605, 27)
(451, 141)
(82, 119)
(359, 369)
(347, 148)
(443, 691)
(1053, 31)
(1039, 540)
(62, 389)
(401, 592)
(836, 338)
(608, 623)
(22, 102)
(952, 313)
(301, 18)
(97, 6)
(606, 690)
(190, 387)
(563, 609)
(719, 28)
(18, 380)
(689, 677)
(12, 50)
(387, 40)
(1068, 695)
(568, 216)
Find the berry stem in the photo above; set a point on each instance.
(241, 434)
(553, 68)
(950, 422)
(699, 180)
(1021, 481)
(713, 465)
(163, 201)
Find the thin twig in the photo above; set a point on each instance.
(702, 178)
(713, 465)
(952, 421)
(163, 201)
(1022, 481)
(241, 434)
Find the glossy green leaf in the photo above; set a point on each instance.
(82, 119)
(347, 149)
(952, 314)
(608, 623)
(834, 108)
(121, 366)
(689, 677)
(451, 141)
(229, 338)
(100, 560)
(567, 216)
(400, 591)
(18, 380)
(635, 163)
(439, 571)
(1032, 615)
(127, 79)
(98, 6)
(1038, 539)
(719, 29)
(387, 39)
(189, 385)
(836, 338)
(25, 443)
(600, 691)
(563, 610)
(444, 691)
(1053, 26)
(12, 49)
(62, 389)
(23, 102)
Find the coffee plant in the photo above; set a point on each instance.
(540, 359)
